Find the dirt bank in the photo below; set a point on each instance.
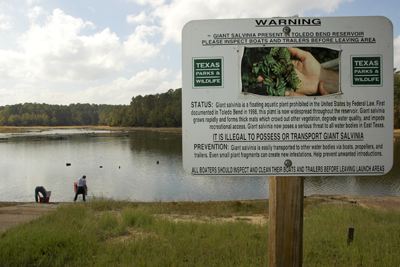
(15, 213)
(375, 202)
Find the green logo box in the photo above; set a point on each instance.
(207, 72)
(366, 70)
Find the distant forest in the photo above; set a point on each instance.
(396, 99)
(159, 110)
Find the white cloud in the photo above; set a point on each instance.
(57, 52)
(152, 3)
(22, 93)
(137, 48)
(7, 96)
(35, 12)
(177, 13)
(30, 2)
(6, 22)
(121, 90)
(174, 84)
(141, 18)
(10, 63)
(396, 45)
(118, 91)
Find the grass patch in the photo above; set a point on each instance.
(10, 130)
(120, 233)
(376, 238)
(208, 208)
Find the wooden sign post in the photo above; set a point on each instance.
(286, 196)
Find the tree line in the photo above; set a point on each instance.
(396, 103)
(159, 110)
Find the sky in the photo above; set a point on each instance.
(106, 52)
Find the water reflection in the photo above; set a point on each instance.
(124, 166)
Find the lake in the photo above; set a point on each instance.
(142, 166)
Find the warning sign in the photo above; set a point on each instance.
(288, 96)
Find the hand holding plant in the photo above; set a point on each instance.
(314, 78)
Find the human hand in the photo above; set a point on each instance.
(321, 90)
(308, 70)
(314, 78)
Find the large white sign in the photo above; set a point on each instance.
(288, 96)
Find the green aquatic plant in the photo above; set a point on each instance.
(276, 71)
(262, 66)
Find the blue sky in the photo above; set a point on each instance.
(106, 52)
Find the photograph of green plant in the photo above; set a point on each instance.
(271, 71)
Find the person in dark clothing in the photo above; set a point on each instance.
(42, 190)
(81, 188)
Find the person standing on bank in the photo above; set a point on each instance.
(81, 188)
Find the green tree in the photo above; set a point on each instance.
(3, 116)
(26, 119)
(150, 110)
(15, 120)
(45, 119)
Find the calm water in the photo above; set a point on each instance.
(124, 166)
